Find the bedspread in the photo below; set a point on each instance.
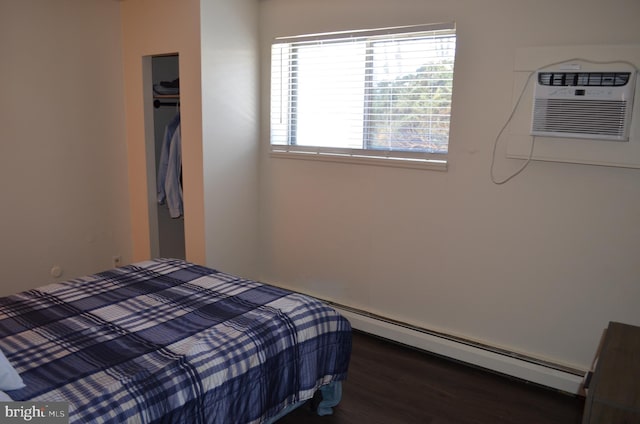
(170, 341)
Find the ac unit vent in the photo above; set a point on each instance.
(604, 118)
(591, 105)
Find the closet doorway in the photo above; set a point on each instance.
(166, 210)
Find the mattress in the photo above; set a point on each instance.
(170, 341)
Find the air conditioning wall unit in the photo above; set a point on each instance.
(584, 103)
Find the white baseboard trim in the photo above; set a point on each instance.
(544, 373)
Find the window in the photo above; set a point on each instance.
(380, 94)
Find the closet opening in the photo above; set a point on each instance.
(164, 164)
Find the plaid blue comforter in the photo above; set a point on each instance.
(174, 342)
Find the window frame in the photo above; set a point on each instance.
(396, 158)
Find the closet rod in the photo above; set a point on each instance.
(158, 103)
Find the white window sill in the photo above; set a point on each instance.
(412, 163)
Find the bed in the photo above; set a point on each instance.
(168, 341)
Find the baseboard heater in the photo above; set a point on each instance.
(534, 370)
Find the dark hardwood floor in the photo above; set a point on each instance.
(392, 384)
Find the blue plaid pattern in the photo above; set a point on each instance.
(170, 341)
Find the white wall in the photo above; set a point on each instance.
(230, 76)
(539, 265)
(63, 173)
